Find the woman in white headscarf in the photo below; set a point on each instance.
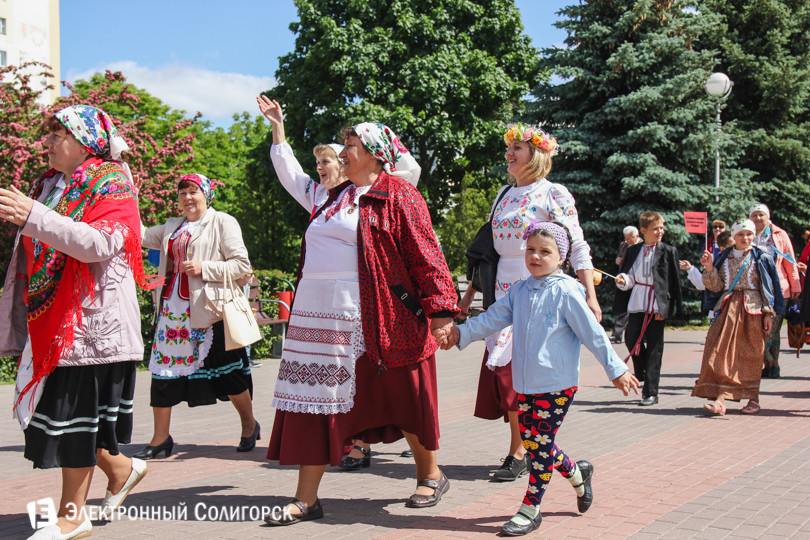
(359, 359)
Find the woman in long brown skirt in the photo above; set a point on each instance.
(746, 277)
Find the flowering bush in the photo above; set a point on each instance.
(157, 153)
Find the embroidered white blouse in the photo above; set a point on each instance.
(520, 206)
(640, 279)
(332, 236)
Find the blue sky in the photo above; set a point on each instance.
(208, 55)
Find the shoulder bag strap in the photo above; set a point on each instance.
(501, 195)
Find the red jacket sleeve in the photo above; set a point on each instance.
(422, 254)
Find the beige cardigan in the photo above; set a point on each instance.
(217, 244)
(111, 323)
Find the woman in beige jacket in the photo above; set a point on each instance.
(199, 253)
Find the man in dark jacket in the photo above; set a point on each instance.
(650, 290)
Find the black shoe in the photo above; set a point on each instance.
(512, 469)
(407, 453)
(774, 371)
(584, 502)
(616, 340)
(766, 372)
(513, 529)
(648, 401)
(355, 464)
(249, 443)
(150, 452)
(307, 513)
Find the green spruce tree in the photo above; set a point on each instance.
(635, 124)
(764, 47)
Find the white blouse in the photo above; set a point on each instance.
(519, 207)
(510, 217)
(332, 237)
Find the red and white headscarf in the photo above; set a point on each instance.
(383, 144)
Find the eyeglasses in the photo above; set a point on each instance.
(718, 227)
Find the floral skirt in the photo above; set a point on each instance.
(222, 374)
(732, 357)
(178, 349)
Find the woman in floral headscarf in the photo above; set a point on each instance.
(188, 360)
(359, 359)
(72, 276)
(528, 156)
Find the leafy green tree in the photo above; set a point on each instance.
(636, 126)
(468, 212)
(764, 47)
(446, 75)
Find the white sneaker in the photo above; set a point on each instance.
(53, 532)
(111, 502)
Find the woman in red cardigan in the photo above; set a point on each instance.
(359, 358)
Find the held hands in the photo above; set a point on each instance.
(767, 323)
(444, 332)
(685, 265)
(625, 383)
(620, 279)
(15, 206)
(802, 267)
(707, 260)
(191, 268)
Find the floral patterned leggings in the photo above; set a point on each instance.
(540, 416)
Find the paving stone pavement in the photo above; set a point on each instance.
(664, 472)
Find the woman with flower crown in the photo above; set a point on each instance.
(532, 196)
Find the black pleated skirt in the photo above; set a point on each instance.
(223, 373)
(82, 409)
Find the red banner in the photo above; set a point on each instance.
(695, 222)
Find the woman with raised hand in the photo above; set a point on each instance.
(528, 156)
(72, 276)
(359, 359)
(199, 253)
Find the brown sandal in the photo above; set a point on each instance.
(440, 487)
(307, 513)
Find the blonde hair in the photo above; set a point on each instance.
(539, 165)
(324, 149)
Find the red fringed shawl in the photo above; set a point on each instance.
(101, 195)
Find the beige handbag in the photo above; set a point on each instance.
(241, 328)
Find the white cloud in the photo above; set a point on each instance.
(215, 94)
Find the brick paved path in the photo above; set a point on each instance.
(661, 472)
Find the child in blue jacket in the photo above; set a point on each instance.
(551, 321)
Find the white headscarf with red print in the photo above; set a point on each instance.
(381, 141)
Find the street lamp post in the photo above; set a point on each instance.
(718, 85)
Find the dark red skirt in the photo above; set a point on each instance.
(401, 399)
(496, 395)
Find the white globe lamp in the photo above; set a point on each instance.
(719, 85)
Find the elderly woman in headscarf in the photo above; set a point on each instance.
(776, 243)
(359, 359)
(330, 174)
(72, 276)
(199, 253)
